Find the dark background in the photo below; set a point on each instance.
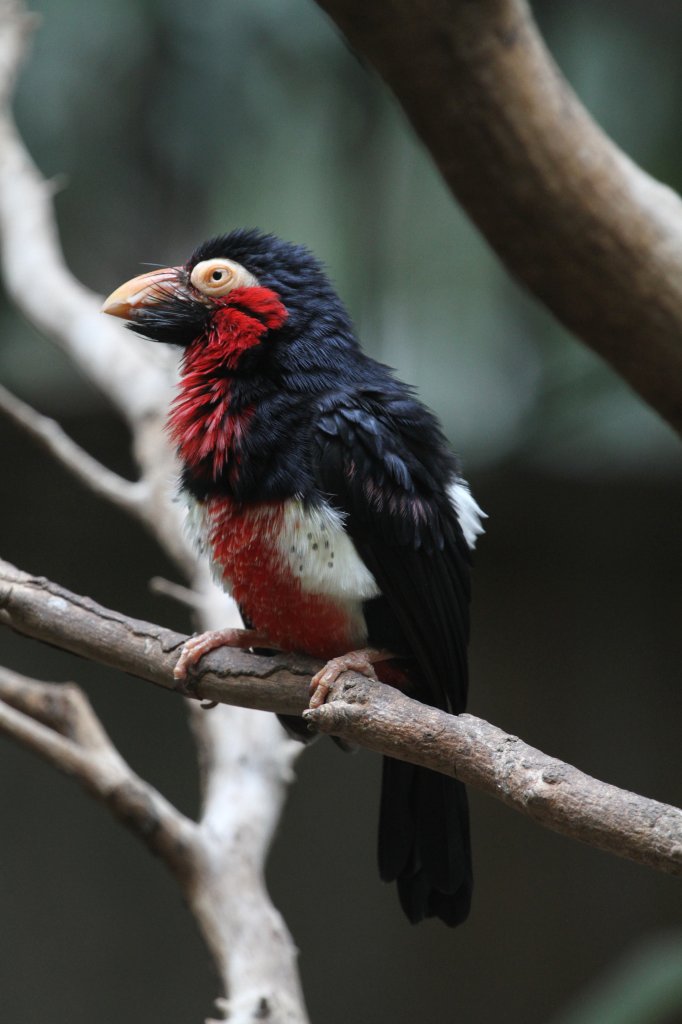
(169, 123)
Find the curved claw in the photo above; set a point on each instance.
(203, 643)
(361, 661)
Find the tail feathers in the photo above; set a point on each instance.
(424, 842)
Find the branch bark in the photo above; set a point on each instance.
(377, 717)
(584, 228)
(57, 722)
(254, 954)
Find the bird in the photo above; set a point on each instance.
(330, 504)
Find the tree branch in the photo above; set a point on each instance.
(57, 722)
(377, 717)
(254, 954)
(38, 608)
(585, 229)
(126, 494)
(62, 308)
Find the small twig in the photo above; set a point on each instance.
(377, 717)
(128, 495)
(183, 595)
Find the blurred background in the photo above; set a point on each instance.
(162, 123)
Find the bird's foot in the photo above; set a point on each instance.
(197, 646)
(362, 661)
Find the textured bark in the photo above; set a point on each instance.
(363, 712)
(551, 792)
(585, 229)
(41, 609)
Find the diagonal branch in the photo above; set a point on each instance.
(252, 949)
(126, 494)
(553, 793)
(586, 230)
(62, 308)
(378, 717)
(57, 722)
(45, 611)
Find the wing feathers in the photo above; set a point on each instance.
(406, 530)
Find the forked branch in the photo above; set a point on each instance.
(57, 722)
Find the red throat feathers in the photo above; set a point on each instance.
(202, 423)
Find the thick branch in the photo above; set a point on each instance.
(592, 235)
(377, 717)
(45, 611)
(552, 793)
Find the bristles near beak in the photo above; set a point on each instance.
(146, 290)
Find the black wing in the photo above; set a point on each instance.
(387, 470)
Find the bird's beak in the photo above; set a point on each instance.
(147, 290)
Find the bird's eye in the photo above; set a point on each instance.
(215, 278)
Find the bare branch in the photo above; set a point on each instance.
(58, 723)
(592, 236)
(374, 716)
(126, 494)
(551, 792)
(136, 375)
(62, 308)
(222, 884)
(245, 762)
(183, 595)
(38, 608)
(253, 951)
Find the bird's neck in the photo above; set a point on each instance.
(203, 422)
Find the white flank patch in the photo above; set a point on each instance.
(196, 528)
(468, 511)
(312, 544)
(317, 549)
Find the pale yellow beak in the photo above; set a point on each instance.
(146, 290)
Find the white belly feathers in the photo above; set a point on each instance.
(317, 549)
(309, 542)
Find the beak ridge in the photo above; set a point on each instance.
(145, 290)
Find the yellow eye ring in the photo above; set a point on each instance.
(218, 277)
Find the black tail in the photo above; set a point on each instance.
(424, 842)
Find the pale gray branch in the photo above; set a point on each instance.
(183, 595)
(253, 951)
(378, 717)
(57, 722)
(126, 494)
(129, 371)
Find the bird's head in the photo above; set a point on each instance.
(278, 284)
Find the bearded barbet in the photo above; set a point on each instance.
(331, 507)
